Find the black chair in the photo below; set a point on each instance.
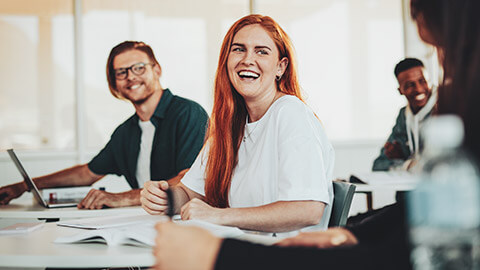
(342, 200)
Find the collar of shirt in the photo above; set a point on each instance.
(162, 107)
(412, 121)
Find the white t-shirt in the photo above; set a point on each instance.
(284, 156)
(143, 161)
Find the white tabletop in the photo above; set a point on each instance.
(36, 249)
(376, 187)
(377, 181)
(26, 207)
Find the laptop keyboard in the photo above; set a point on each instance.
(62, 201)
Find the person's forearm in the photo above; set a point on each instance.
(380, 223)
(23, 186)
(182, 195)
(382, 163)
(236, 254)
(130, 198)
(280, 216)
(79, 175)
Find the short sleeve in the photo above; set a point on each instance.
(305, 156)
(104, 162)
(194, 179)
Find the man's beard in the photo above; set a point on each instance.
(141, 101)
(145, 98)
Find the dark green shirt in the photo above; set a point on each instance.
(180, 126)
(399, 134)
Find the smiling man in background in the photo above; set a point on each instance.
(403, 145)
(159, 142)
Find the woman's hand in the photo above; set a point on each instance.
(154, 198)
(198, 209)
(334, 237)
(184, 247)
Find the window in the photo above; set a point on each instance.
(37, 77)
(185, 36)
(38, 98)
(346, 52)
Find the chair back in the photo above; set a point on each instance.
(342, 200)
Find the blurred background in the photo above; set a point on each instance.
(56, 109)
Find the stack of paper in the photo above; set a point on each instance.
(137, 235)
(138, 230)
(96, 223)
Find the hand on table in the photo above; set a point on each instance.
(184, 247)
(394, 150)
(10, 192)
(198, 209)
(154, 198)
(334, 237)
(98, 199)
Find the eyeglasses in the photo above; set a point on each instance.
(137, 69)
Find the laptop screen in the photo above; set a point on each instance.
(26, 178)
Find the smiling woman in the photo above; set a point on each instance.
(253, 65)
(267, 164)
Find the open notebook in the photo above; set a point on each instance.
(96, 223)
(141, 234)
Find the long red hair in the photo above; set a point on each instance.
(229, 112)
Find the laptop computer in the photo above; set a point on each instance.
(33, 188)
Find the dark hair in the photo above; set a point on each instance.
(455, 29)
(406, 64)
(121, 48)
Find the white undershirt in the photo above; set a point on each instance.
(146, 142)
(414, 122)
(284, 156)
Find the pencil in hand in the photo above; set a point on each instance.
(170, 204)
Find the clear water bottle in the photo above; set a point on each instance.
(444, 209)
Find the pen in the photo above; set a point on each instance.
(170, 206)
